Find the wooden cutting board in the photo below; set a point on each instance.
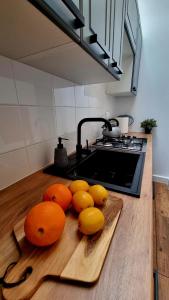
(73, 257)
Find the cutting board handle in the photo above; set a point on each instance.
(23, 280)
(24, 276)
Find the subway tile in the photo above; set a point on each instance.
(40, 155)
(94, 102)
(11, 129)
(95, 90)
(95, 112)
(80, 98)
(38, 123)
(81, 113)
(33, 86)
(48, 123)
(7, 86)
(96, 95)
(64, 96)
(65, 121)
(13, 167)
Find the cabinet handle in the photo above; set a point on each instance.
(79, 21)
(93, 40)
(51, 12)
(114, 65)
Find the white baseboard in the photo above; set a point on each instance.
(161, 179)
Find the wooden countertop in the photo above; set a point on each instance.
(128, 269)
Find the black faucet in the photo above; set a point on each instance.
(79, 146)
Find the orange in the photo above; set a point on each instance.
(44, 223)
(99, 194)
(82, 200)
(58, 193)
(91, 220)
(79, 185)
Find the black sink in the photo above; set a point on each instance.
(117, 171)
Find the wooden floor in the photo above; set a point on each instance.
(161, 238)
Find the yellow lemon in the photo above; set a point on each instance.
(99, 194)
(79, 185)
(91, 220)
(82, 200)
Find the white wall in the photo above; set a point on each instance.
(153, 94)
(36, 108)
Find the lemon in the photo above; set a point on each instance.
(91, 220)
(79, 185)
(99, 194)
(82, 200)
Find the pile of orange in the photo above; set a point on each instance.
(45, 222)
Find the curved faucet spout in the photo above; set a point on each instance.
(79, 146)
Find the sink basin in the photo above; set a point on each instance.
(117, 171)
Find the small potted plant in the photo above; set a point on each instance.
(148, 124)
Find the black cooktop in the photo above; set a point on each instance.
(125, 143)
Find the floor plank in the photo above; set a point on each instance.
(162, 228)
(154, 238)
(163, 287)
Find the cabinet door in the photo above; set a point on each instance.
(132, 20)
(137, 60)
(116, 35)
(98, 21)
(65, 13)
(97, 25)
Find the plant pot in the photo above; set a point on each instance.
(147, 130)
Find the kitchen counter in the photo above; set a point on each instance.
(128, 269)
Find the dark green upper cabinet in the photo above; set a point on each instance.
(103, 31)
(96, 29)
(137, 60)
(65, 13)
(99, 20)
(116, 35)
(80, 40)
(132, 21)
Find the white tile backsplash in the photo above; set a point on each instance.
(31, 121)
(13, 167)
(34, 87)
(80, 98)
(39, 123)
(11, 130)
(7, 85)
(40, 155)
(65, 121)
(35, 109)
(94, 102)
(64, 96)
